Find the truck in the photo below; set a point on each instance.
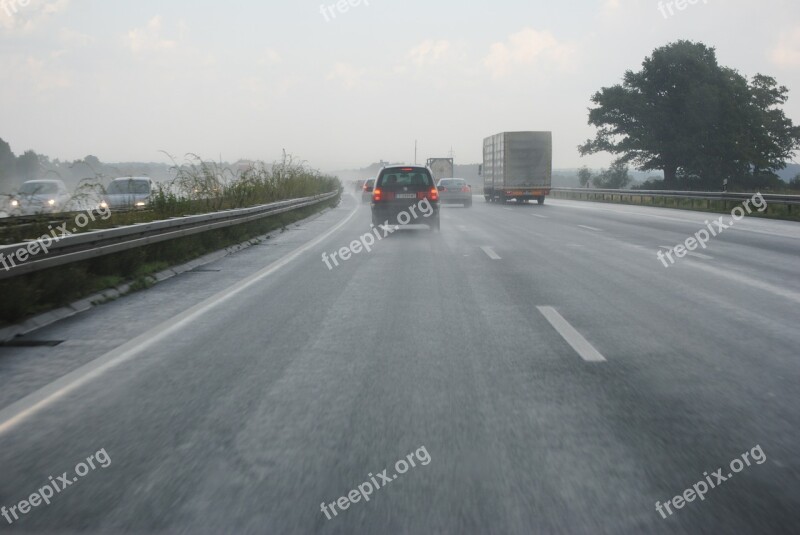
(517, 165)
(440, 168)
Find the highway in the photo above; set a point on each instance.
(561, 379)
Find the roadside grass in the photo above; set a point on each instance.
(198, 186)
(773, 211)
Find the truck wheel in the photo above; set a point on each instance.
(540, 200)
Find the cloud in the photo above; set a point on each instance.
(41, 76)
(348, 76)
(74, 39)
(270, 56)
(787, 52)
(429, 52)
(148, 39)
(529, 48)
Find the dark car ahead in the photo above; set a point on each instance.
(405, 195)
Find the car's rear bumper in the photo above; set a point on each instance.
(455, 199)
(391, 213)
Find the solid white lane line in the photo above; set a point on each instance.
(540, 216)
(700, 255)
(490, 253)
(708, 215)
(26, 407)
(572, 337)
(590, 228)
(777, 291)
(690, 253)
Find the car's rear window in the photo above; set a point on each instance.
(405, 177)
(453, 183)
(370, 182)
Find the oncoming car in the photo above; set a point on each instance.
(128, 193)
(40, 196)
(406, 190)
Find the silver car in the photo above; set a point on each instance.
(40, 197)
(128, 193)
(455, 191)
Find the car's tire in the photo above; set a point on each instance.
(540, 200)
(435, 226)
(468, 204)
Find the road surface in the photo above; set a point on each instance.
(559, 378)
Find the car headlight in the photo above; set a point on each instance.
(103, 205)
(15, 203)
(141, 204)
(51, 202)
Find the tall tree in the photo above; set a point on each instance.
(686, 115)
(8, 165)
(28, 165)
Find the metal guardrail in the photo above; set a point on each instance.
(702, 195)
(93, 244)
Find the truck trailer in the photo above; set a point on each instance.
(440, 168)
(517, 165)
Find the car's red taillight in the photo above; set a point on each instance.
(465, 189)
(377, 194)
(433, 194)
(444, 188)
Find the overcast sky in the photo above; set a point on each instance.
(125, 80)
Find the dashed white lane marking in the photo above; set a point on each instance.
(540, 216)
(690, 253)
(571, 336)
(590, 228)
(490, 253)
